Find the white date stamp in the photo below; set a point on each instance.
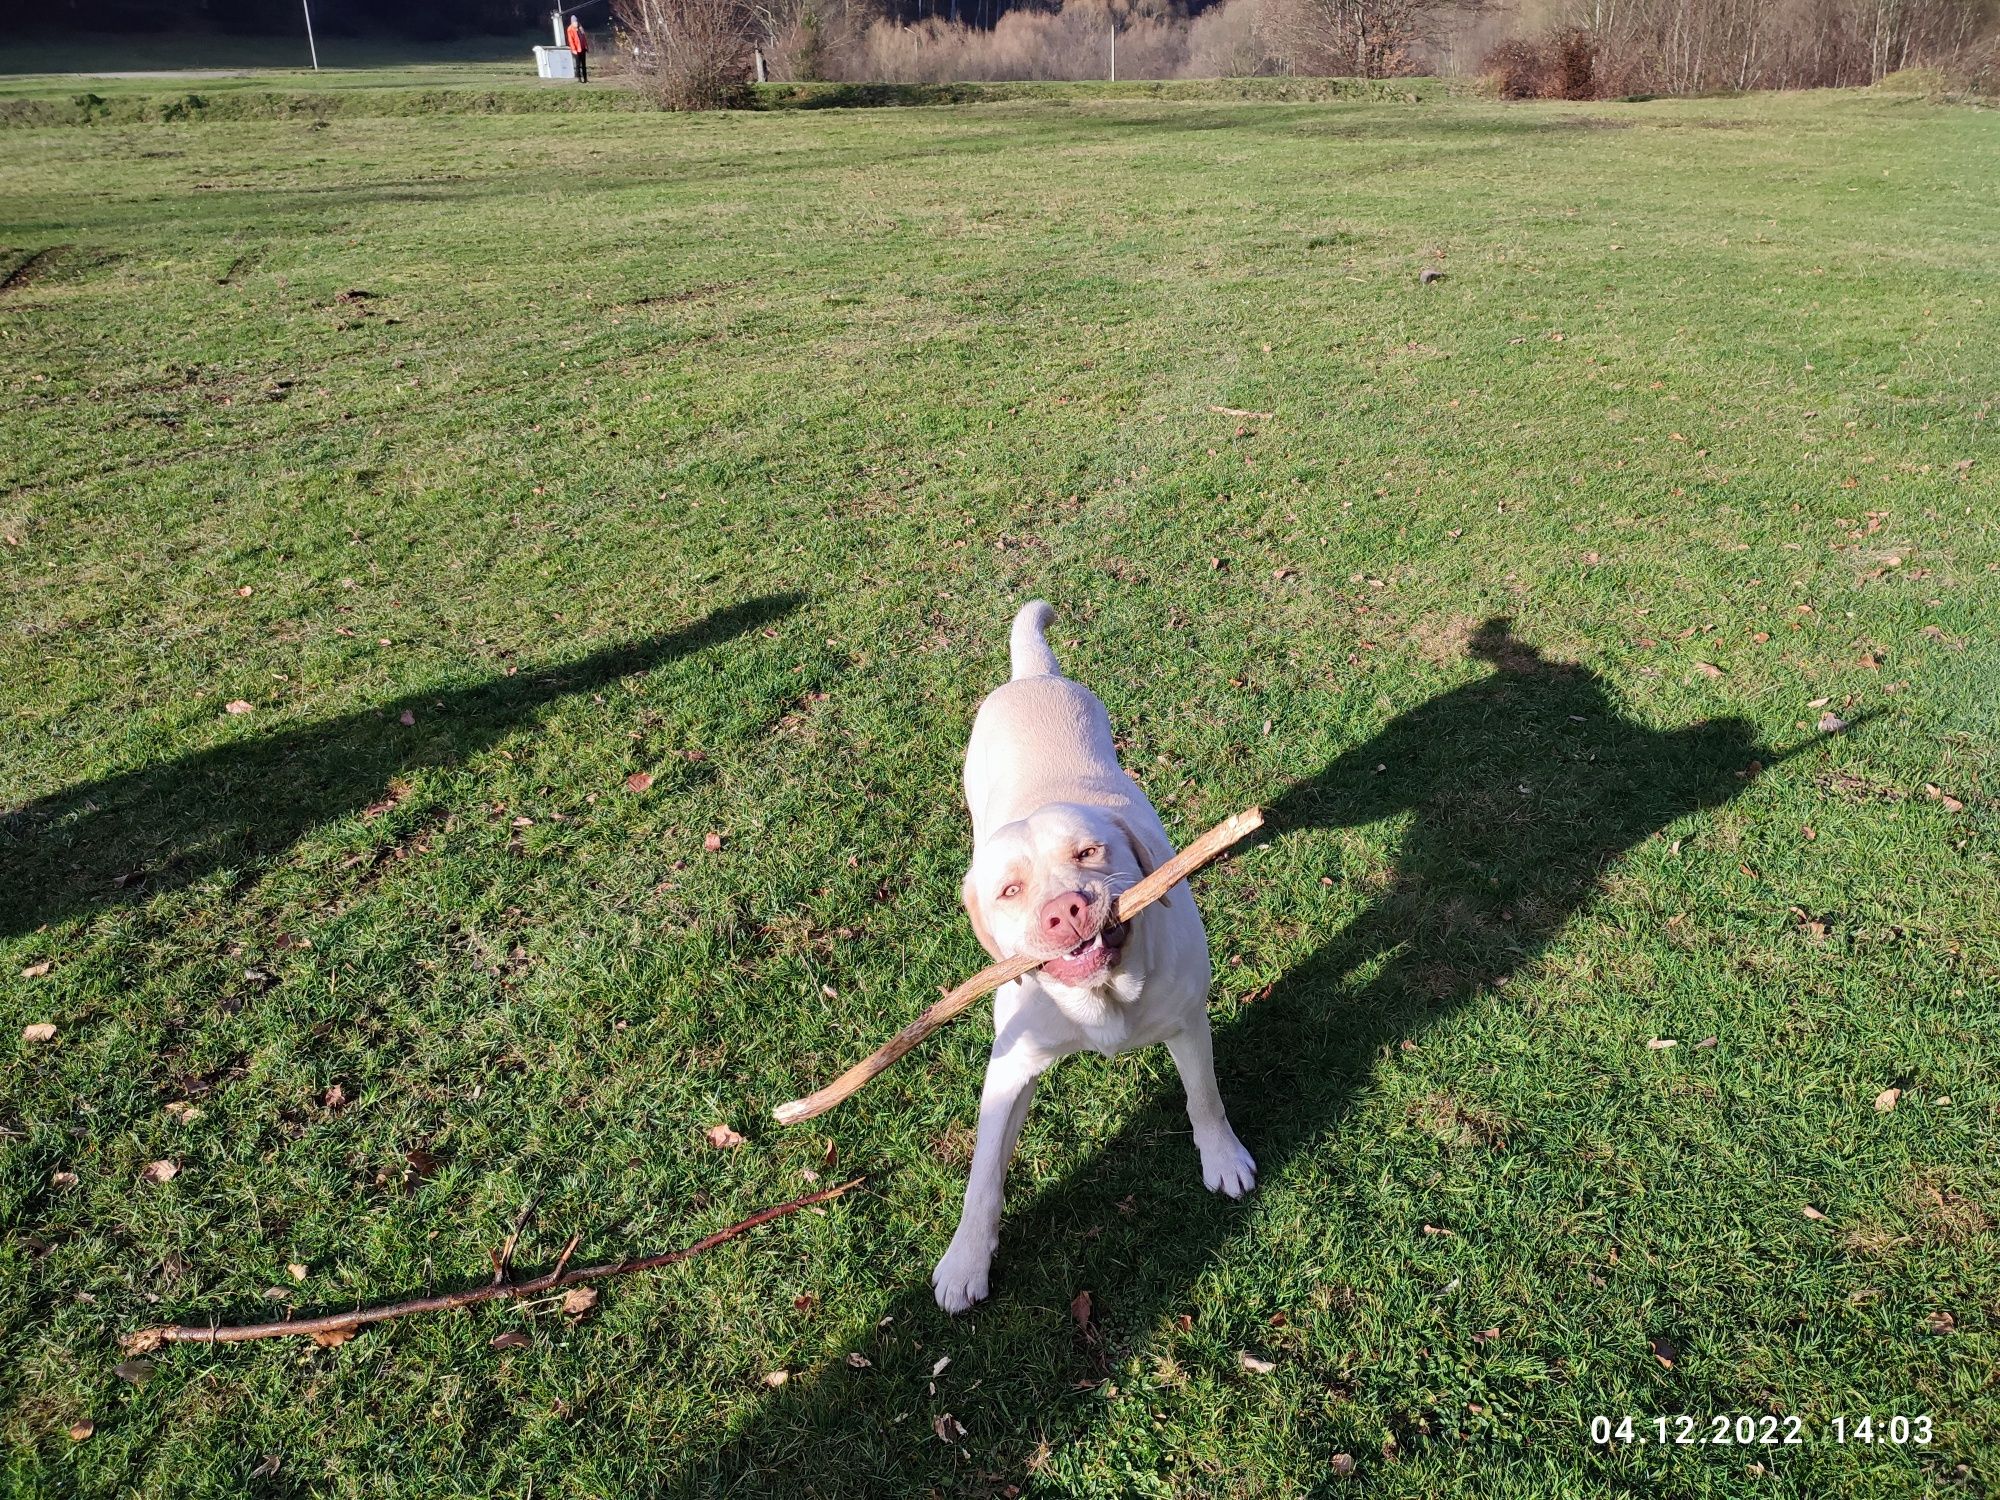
(1746, 1431)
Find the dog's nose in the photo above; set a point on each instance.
(1062, 918)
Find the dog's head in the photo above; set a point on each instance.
(1047, 885)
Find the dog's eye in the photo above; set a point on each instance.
(1090, 851)
(1010, 893)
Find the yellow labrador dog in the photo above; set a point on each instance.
(1058, 830)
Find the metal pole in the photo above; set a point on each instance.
(310, 43)
(1114, 51)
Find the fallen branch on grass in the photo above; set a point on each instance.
(337, 1328)
(1135, 900)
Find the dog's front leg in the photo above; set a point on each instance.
(1225, 1166)
(960, 1278)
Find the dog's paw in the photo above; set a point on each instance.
(1226, 1167)
(960, 1279)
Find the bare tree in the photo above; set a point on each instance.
(689, 54)
(1365, 38)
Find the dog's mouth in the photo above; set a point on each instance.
(1090, 958)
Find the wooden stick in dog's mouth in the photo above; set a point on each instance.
(1135, 900)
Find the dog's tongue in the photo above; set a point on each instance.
(1077, 968)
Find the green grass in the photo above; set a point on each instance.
(722, 448)
(58, 99)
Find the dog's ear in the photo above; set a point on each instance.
(1149, 855)
(968, 894)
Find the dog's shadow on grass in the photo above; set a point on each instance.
(1523, 787)
(240, 805)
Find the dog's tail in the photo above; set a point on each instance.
(1032, 656)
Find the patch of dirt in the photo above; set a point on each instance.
(1840, 784)
(1943, 1215)
(32, 266)
(954, 1147)
(1442, 642)
(688, 294)
(1937, 1214)
(1456, 1123)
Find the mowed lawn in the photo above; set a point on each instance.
(1614, 1040)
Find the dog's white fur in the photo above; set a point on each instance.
(1053, 812)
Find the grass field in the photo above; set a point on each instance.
(485, 461)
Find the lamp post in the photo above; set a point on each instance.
(310, 43)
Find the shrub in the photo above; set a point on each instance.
(1574, 56)
(1517, 68)
(689, 54)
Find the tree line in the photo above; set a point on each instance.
(694, 53)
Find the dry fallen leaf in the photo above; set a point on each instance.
(948, 1428)
(722, 1137)
(1709, 669)
(268, 1467)
(1886, 1100)
(639, 781)
(776, 1378)
(712, 842)
(513, 1338)
(296, 1271)
(1707, 1041)
(238, 706)
(1255, 1365)
(160, 1171)
(62, 1179)
(859, 1361)
(406, 717)
(333, 1338)
(1661, 1043)
(36, 971)
(40, 1031)
(181, 1112)
(137, 1371)
(1941, 1322)
(78, 1431)
(1665, 1351)
(1342, 1465)
(1831, 723)
(1079, 1309)
(579, 1300)
(1939, 794)
(335, 1097)
(943, 1364)
(1812, 1213)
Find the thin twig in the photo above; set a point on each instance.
(1240, 411)
(148, 1339)
(503, 1263)
(1208, 847)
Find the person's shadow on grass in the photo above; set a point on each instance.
(1523, 787)
(240, 805)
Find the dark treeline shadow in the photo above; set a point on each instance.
(1523, 787)
(243, 804)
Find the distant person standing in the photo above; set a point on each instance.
(579, 49)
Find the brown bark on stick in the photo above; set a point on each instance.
(1133, 901)
(336, 1327)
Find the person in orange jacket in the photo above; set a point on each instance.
(579, 49)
